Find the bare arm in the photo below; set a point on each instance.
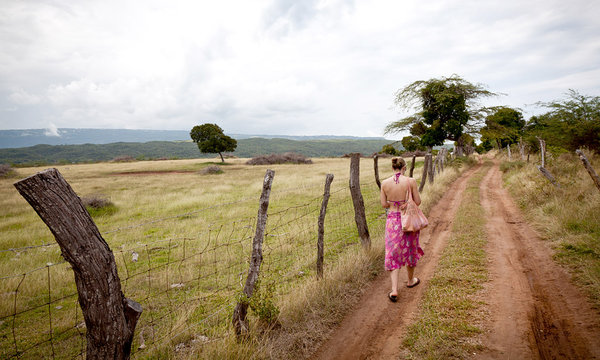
(383, 198)
(415, 191)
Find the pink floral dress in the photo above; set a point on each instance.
(401, 248)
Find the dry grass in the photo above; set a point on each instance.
(568, 217)
(163, 212)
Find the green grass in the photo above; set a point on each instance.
(445, 328)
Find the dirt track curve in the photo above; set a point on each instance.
(536, 313)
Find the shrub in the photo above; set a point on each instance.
(97, 205)
(123, 158)
(286, 158)
(213, 169)
(6, 170)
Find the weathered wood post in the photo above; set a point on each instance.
(508, 150)
(431, 172)
(376, 169)
(542, 151)
(358, 202)
(320, 247)
(589, 168)
(425, 171)
(548, 176)
(240, 323)
(521, 149)
(412, 165)
(110, 318)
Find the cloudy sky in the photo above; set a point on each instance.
(294, 67)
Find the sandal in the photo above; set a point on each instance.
(415, 284)
(393, 298)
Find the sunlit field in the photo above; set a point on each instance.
(182, 242)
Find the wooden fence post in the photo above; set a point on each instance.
(412, 165)
(110, 318)
(320, 247)
(240, 323)
(542, 151)
(589, 168)
(548, 176)
(508, 150)
(430, 176)
(376, 169)
(358, 202)
(425, 171)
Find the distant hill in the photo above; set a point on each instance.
(51, 154)
(67, 136)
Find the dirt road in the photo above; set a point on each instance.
(536, 312)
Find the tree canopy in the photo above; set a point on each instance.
(444, 108)
(211, 139)
(571, 123)
(504, 126)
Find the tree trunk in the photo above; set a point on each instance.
(222, 159)
(320, 247)
(589, 168)
(376, 169)
(240, 323)
(110, 318)
(358, 202)
(412, 165)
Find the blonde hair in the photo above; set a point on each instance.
(398, 163)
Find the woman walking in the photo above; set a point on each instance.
(401, 248)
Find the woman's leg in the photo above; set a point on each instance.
(394, 274)
(411, 272)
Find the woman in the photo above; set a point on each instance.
(401, 248)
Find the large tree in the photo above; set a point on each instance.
(503, 126)
(444, 108)
(211, 139)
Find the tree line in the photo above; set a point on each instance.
(448, 109)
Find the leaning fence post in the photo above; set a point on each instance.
(542, 151)
(110, 318)
(376, 169)
(240, 324)
(589, 168)
(320, 248)
(358, 202)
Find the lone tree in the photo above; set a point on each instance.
(504, 126)
(211, 139)
(445, 109)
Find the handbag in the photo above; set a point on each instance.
(412, 217)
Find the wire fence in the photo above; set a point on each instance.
(187, 281)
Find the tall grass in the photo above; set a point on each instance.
(567, 217)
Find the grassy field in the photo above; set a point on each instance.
(568, 217)
(182, 241)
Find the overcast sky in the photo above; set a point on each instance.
(293, 67)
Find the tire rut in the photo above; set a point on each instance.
(536, 312)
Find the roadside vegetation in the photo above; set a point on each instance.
(568, 217)
(446, 327)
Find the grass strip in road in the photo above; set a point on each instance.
(446, 326)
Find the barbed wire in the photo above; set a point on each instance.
(187, 283)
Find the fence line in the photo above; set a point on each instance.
(187, 284)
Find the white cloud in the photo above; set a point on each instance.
(287, 67)
(52, 130)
